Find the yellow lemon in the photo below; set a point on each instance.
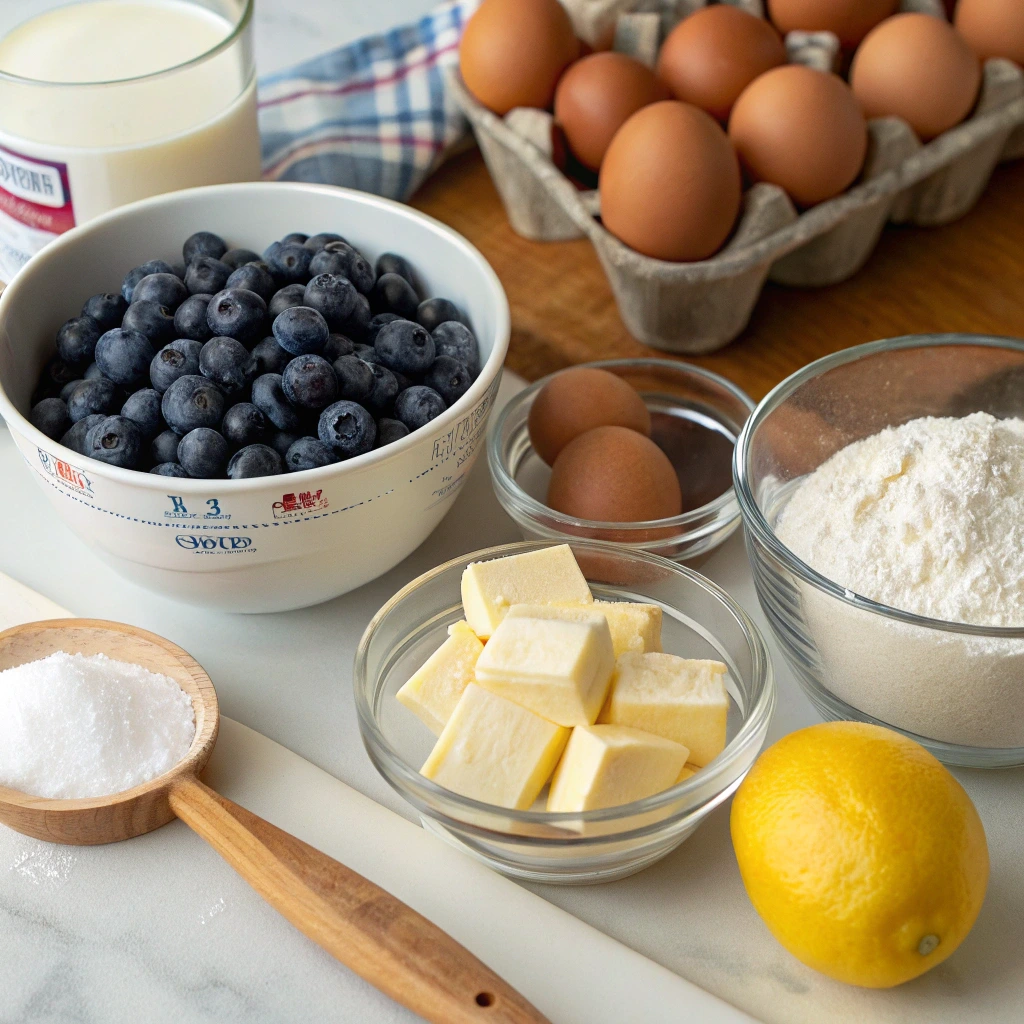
(861, 852)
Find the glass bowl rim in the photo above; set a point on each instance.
(759, 714)
(506, 484)
(755, 521)
(237, 29)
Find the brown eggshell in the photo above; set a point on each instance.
(710, 57)
(577, 400)
(597, 95)
(613, 474)
(993, 28)
(800, 129)
(670, 183)
(850, 20)
(514, 51)
(917, 67)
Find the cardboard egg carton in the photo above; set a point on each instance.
(700, 307)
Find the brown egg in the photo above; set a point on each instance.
(850, 20)
(917, 67)
(577, 400)
(800, 129)
(614, 475)
(597, 95)
(710, 57)
(514, 51)
(993, 28)
(670, 183)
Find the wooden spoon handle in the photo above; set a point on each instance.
(367, 929)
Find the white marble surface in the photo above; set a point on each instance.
(80, 940)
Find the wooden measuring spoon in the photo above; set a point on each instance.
(377, 936)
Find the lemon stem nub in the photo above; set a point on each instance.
(928, 945)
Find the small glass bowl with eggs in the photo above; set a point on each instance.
(632, 451)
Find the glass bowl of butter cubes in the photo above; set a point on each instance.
(565, 713)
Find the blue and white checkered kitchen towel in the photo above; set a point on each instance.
(374, 114)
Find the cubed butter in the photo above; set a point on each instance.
(495, 750)
(547, 576)
(678, 698)
(634, 627)
(689, 770)
(611, 765)
(557, 668)
(432, 693)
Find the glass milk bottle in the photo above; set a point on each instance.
(103, 102)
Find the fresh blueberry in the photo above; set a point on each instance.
(255, 460)
(178, 359)
(324, 238)
(393, 294)
(253, 277)
(203, 243)
(190, 318)
(150, 319)
(347, 429)
(76, 437)
(92, 396)
(237, 313)
(192, 401)
(301, 331)
(418, 405)
(244, 424)
(228, 363)
(116, 441)
(389, 431)
(359, 321)
(457, 341)
(281, 441)
(331, 295)
(392, 263)
(124, 355)
(56, 375)
(165, 447)
(355, 378)
(308, 453)
(367, 353)
(376, 323)
(206, 276)
(432, 312)
(134, 276)
(403, 381)
(337, 346)
(92, 371)
(268, 396)
(236, 258)
(342, 258)
(449, 378)
(405, 346)
(289, 263)
(163, 289)
(203, 453)
(385, 389)
(106, 308)
(270, 357)
(168, 469)
(178, 270)
(295, 238)
(66, 391)
(143, 408)
(51, 417)
(285, 298)
(309, 382)
(76, 339)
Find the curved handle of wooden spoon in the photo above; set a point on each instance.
(367, 929)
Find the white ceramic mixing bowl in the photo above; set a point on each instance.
(271, 543)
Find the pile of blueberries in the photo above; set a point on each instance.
(240, 365)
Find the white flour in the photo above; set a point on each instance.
(927, 517)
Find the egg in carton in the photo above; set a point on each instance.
(700, 307)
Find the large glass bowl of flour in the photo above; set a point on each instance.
(882, 493)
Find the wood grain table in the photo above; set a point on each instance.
(966, 276)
